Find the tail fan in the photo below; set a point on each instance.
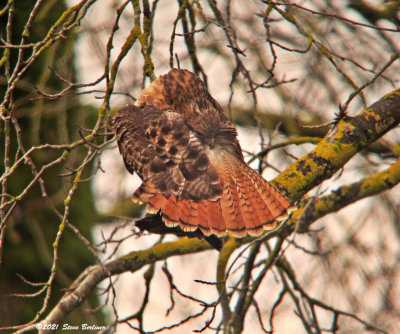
(248, 205)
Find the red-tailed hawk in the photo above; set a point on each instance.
(185, 150)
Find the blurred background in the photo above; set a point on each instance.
(279, 69)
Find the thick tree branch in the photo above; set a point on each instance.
(132, 262)
(347, 138)
(299, 131)
(349, 194)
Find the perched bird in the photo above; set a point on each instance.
(185, 150)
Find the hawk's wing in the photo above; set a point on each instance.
(192, 185)
(166, 154)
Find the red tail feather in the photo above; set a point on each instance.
(249, 204)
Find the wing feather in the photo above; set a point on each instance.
(166, 153)
(186, 152)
